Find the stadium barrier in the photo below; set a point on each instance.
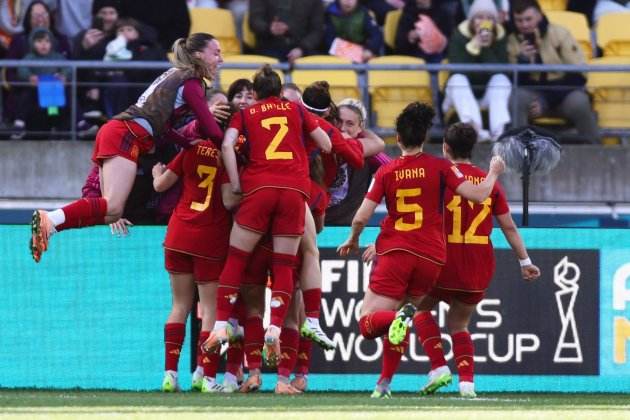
(91, 315)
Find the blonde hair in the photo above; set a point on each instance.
(357, 107)
(183, 57)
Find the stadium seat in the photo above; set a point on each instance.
(218, 22)
(227, 76)
(613, 34)
(249, 38)
(343, 83)
(390, 26)
(392, 90)
(548, 5)
(611, 93)
(577, 24)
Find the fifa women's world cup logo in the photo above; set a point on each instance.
(566, 275)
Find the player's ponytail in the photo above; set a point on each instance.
(184, 57)
(413, 124)
(267, 83)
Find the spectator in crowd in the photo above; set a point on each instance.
(73, 16)
(287, 30)
(11, 16)
(380, 8)
(170, 18)
(28, 114)
(479, 39)
(537, 41)
(349, 21)
(503, 8)
(423, 30)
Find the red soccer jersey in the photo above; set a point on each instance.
(318, 201)
(413, 187)
(470, 256)
(200, 224)
(276, 132)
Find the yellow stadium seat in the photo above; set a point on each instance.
(577, 24)
(343, 83)
(227, 76)
(548, 5)
(613, 34)
(611, 93)
(392, 90)
(390, 26)
(218, 22)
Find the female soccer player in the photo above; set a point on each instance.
(241, 93)
(171, 96)
(410, 245)
(275, 185)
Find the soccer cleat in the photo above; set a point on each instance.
(230, 386)
(197, 380)
(210, 386)
(169, 383)
(41, 227)
(252, 384)
(313, 331)
(300, 383)
(400, 324)
(238, 334)
(216, 339)
(381, 392)
(438, 378)
(272, 346)
(467, 390)
(286, 389)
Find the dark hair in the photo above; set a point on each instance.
(413, 124)
(461, 138)
(237, 86)
(519, 6)
(127, 21)
(183, 49)
(27, 19)
(41, 33)
(317, 96)
(267, 82)
(316, 169)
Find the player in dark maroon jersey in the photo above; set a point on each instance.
(195, 249)
(176, 93)
(410, 246)
(275, 185)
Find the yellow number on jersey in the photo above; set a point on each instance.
(206, 173)
(272, 153)
(404, 207)
(470, 236)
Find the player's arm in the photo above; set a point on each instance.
(362, 216)
(510, 231)
(478, 193)
(229, 158)
(321, 139)
(372, 144)
(230, 200)
(163, 178)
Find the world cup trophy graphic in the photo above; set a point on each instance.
(566, 275)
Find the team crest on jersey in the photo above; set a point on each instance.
(232, 298)
(276, 302)
(457, 172)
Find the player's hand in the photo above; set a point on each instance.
(369, 253)
(236, 189)
(348, 247)
(294, 54)
(497, 165)
(158, 169)
(530, 272)
(119, 227)
(220, 111)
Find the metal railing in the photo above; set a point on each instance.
(362, 71)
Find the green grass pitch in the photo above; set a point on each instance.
(27, 404)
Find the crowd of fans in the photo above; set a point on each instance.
(461, 31)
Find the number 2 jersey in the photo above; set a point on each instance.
(414, 188)
(277, 132)
(200, 224)
(470, 257)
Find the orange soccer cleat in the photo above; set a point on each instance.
(272, 346)
(252, 384)
(300, 383)
(286, 389)
(41, 228)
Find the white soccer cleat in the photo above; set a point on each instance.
(312, 330)
(169, 383)
(197, 380)
(467, 390)
(210, 386)
(438, 378)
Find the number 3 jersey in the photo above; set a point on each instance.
(276, 133)
(470, 256)
(414, 188)
(200, 224)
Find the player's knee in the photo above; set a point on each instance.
(365, 327)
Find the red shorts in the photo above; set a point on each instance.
(204, 270)
(468, 268)
(279, 211)
(465, 296)
(398, 274)
(121, 138)
(259, 266)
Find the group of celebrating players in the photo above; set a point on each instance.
(251, 206)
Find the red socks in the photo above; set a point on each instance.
(429, 336)
(312, 302)
(235, 355)
(289, 342)
(254, 338)
(282, 269)
(84, 212)
(173, 339)
(203, 336)
(463, 351)
(376, 324)
(230, 282)
(303, 356)
(391, 358)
